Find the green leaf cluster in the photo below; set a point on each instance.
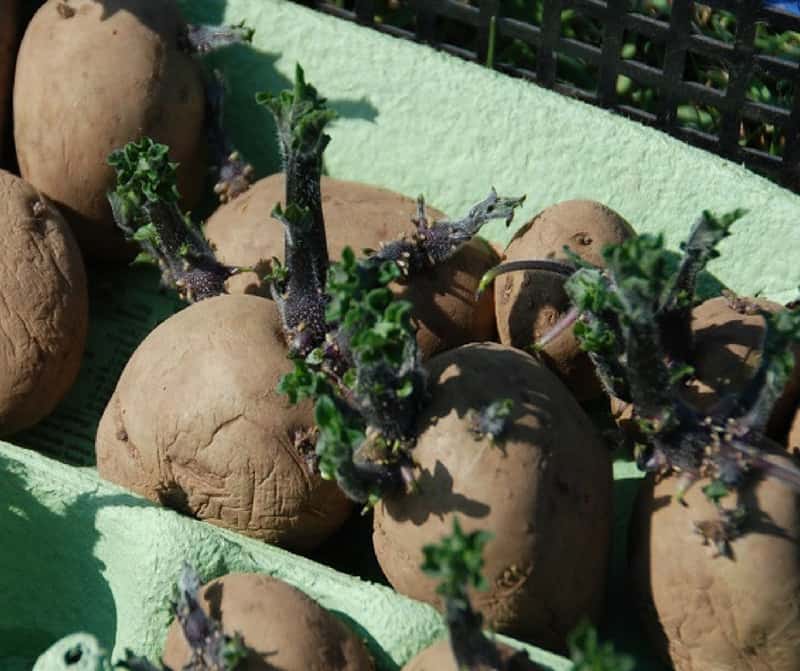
(301, 115)
(588, 653)
(144, 173)
(457, 561)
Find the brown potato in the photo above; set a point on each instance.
(529, 303)
(9, 26)
(281, 627)
(709, 613)
(196, 423)
(727, 352)
(544, 492)
(92, 76)
(361, 216)
(44, 306)
(439, 657)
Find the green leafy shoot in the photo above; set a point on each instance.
(144, 203)
(458, 562)
(588, 653)
(366, 379)
(301, 115)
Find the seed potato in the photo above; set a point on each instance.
(44, 306)
(75, 102)
(361, 216)
(196, 423)
(281, 627)
(707, 613)
(529, 303)
(543, 491)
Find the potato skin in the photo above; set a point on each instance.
(715, 614)
(282, 627)
(727, 352)
(72, 56)
(529, 303)
(44, 306)
(544, 492)
(362, 216)
(196, 423)
(439, 657)
(9, 26)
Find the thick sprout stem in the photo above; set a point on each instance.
(435, 242)
(301, 117)
(145, 207)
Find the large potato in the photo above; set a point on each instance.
(281, 627)
(196, 423)
(44, 306)
(9, 26)
(93, 75)
(726, 354)
(529, 303)
(544, 492)
(439, 657)
(709, 613)
(446, 313)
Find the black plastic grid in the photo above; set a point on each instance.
(679, 38)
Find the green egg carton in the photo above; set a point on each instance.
(81, 555)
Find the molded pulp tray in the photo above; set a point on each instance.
(81, 555)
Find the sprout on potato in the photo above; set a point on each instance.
(634, 319)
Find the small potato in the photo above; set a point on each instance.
(93, 75)
(44, 306)
(439, 657)
(543, 491)
(529, 303)
(9, 27)
(706, 613)
(361, 216)
(281, 627)
(196, 423)
(727, 352)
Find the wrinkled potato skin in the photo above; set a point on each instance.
(44, 306)
(727, 352)
(9, 25)
(196, 423)
(281, 626)
(544, 492)
(439, 657)
(362, 216)
(714, 614)
(63, 142)
(529, 303)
